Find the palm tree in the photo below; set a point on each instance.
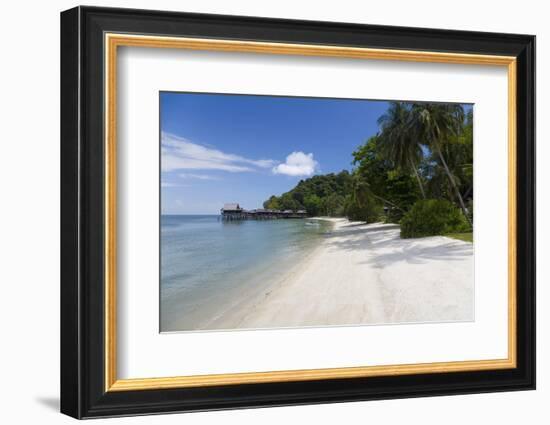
(362, 194)
(436, 124)
(397, 144)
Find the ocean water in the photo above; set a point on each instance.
(208, 265)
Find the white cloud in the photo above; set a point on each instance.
(181, 154)
(297, 164)
(197, 176)
(170, 184)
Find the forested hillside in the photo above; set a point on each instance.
(318, 195)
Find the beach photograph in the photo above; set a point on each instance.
(290, 212)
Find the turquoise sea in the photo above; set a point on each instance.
(209, 265)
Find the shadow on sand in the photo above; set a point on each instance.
(383, 248)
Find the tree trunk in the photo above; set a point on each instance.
(377, 197)
(453, 184)
(387, 202)
(417, 178)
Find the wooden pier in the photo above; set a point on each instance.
(231, 212)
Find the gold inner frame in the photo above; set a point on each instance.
(113, 41)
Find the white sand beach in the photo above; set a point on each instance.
(365, 274)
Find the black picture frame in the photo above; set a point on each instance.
(83, 392)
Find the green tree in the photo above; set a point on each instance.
(403, 192)
(397, 143)
(436, 125)
(333, 204)
(459, 156)
(312, 204)
(272, 203)
(320, 194)
(287, 202)
(378, 176)
(362, 204)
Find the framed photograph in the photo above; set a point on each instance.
(261, 212)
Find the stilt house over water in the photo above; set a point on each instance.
(233, 211)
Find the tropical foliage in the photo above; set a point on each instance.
(433, 217)
(419, 164)
(318, 195)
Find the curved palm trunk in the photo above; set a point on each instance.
(453, 184)
(417, 179)
(358, 196)
(387, 202)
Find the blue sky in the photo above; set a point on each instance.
(217, 149)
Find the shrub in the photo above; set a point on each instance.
(431, 217)
(369, 211)
(393, 215)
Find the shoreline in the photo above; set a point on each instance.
(232, 317)
(196, 308)
(363, 274)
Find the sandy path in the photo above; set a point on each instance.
(366, 274)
